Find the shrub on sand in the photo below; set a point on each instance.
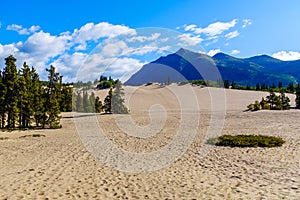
(247, 141)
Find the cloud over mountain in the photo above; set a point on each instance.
(117, 48)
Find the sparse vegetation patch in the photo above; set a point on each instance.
(33, 135)
(247, 141)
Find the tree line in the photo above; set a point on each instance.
(27, 102)
(83, 101)
(290, 88)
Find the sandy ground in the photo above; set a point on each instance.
(65, 165)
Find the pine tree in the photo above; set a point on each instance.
(79, 103)
(74, 100)
(233, 85)
(298, 97)
(2, 102)
(53, 95)
(39, 99)
(264, 87)
(10, 81)
(92, 102)
(274, 101)
(66, 99)
(257, 87)
(226, 84)
(86, 102)
(285, 101)
(273, 86)
(98, 105)
(291, 88)
(107, 102)
(25, 103)
(117, 102)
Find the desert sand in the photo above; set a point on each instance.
(61, 165)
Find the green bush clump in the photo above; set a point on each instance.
(272, 102)
(247, 141)
(33, 135)
(4, 138)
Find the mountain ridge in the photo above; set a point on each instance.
(186, 65)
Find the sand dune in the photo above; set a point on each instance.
(62, 165)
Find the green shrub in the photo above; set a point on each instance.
(272, 102)
(38, 135)
(247, 141)
(4, 138)
(254, 107)
(150, 83)
(33, 135)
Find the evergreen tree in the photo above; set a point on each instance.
(39, 99)
(10, 81)
(168, 81)
(233, 85)
(79, 103)
(264, 87)
(98, 105)
(257, 87)
(285, 101)
(25, 103)
(53, 95)
(107, 102)
(226, 84)
(86, 102)
(291, 88)
(273, 86)
(66, 99)
(2, 102)
(273, 101)
(298, 97)
(92, 102)
(117, 102)
(74, 101)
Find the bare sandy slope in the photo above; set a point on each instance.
(59, 166)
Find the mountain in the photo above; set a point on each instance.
(187, 65)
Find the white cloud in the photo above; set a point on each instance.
(145, 49)
(33, 28)
(213, 52)
(112, 49)
(235, 52)
(96, 65)
(6, 50)
(188, 40)
(46, 45)
(93, 32)
(216, 28)
(154, 36)
(70, 63)
(212, 32)
(286, 56)
(191, 27)
(232, 34)
(246, 22)
(21, 30)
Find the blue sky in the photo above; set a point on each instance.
(64, 33)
